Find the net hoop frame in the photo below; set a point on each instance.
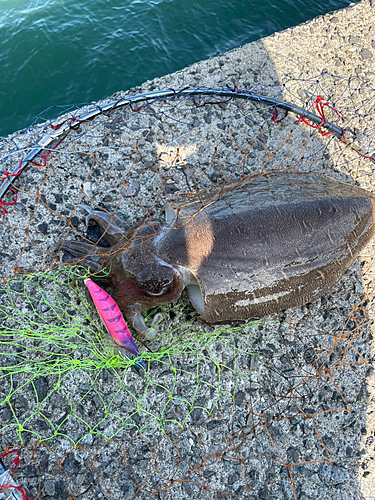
(63, 129)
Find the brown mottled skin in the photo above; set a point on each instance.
(254, 247)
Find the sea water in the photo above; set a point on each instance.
(59, 52)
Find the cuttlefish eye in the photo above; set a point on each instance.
(156, 279)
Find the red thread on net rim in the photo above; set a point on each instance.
(6, 175)
(275, 114)
(16, 462)
(372, 157)
(241, 91)
(47, 154)
(320, 103)
(74, 119)
(71, 120)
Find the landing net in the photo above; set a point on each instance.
(274, 408)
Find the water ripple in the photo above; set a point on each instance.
(57, 52)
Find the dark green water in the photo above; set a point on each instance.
(57, 52)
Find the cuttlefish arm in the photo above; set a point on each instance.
(112, 226)
(138, 323)
(124, 289)
(87, 254)
(82, 253)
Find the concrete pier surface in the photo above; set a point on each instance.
(304, 406)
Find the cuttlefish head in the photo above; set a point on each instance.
(130, 269)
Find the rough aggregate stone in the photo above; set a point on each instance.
(41, 386)
(43, 228)
(74, 221)
(366, 54)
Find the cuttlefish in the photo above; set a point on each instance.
(243, 250)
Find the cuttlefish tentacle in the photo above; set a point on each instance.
(84, 254)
